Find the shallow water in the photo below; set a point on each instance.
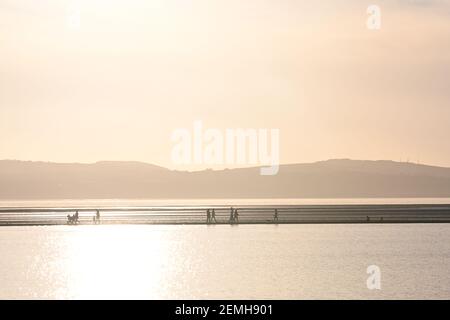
(246, 261)
(208, 202)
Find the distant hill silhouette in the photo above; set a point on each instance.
(133, 180)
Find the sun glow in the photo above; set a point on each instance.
(104, 262)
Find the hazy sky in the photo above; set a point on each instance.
(116, 86)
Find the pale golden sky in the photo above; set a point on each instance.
(117, 86)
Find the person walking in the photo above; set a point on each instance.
(236, 216)
(275, 215)
(97, 216)
(231, 215)
(208, 216)
(213, 216)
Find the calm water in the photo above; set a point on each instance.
(246, 261)
(205, 202)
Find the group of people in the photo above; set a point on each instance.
(211, 216)
(234, 216)
(73, 219)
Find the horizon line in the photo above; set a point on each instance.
(227, 168)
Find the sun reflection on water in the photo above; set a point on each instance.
(115, 262)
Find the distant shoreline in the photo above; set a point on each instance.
(338, 179)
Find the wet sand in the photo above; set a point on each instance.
(287, 214)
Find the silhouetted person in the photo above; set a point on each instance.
(208, 216)
(97, 216)
(76, 216)
(213, 215)
(368, 219)
(275, 215)
(231, 215)
(236, 216)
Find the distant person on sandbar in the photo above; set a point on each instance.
(76, 216)
(213, 215)
(368, 219)
(231, 215)
(208, 216)
(236, 216)
(97, 216)
(275, 215)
